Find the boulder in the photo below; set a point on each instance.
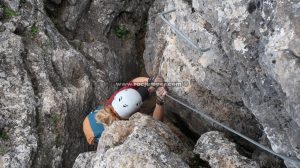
(139, 142)
(215, 148)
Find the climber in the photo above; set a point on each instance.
(122, 104)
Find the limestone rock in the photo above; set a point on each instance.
(1, 13)
(84, 160)
(47, 85)
(56, 1)
(139, 142)
(211, 86)
(72, 14)
(84, 23)
(14, 5)
(248, 79)
(17, 102)
(220, 152)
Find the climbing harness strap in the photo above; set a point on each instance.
(295, 160)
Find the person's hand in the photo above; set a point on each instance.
(159, 79)
(156, 81)
(161, 93)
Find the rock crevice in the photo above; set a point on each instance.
(59, 57)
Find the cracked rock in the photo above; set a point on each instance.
(139, 142)
(220, 152)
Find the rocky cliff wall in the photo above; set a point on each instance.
(57, 59)
(249, 79)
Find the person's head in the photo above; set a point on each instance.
(107, 116)
(124, 104)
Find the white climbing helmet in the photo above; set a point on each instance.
(126, 102)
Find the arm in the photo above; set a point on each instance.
(140, 80)
(145, 80)
(158, 113)
(159, 110)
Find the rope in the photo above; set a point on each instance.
(181, 34)
(187, 39)
(291, 159)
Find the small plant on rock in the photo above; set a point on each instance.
(55, 118)
(8, 13)
(121, 32)
(3, 149)
(3, 135)
(22, 1)
(34, 30)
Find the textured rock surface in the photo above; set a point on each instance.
(170, 56)
(48, 85)
(57, 58)
(220, 152)
(93, 31)
(1, 13)
(139, 142)
(251, 69)
(17, 104)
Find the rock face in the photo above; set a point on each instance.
(139, 142)
(249, 79)
(114, 29)
(220, 152)
(59, 57)
(48, 82)
(176, 62)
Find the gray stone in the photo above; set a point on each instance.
(84, 160)
(94, 27)
(220, 152)
(207, 73)
(14, 5)
(1, 162)
(139, 142)
(56, 1)
(9, 26)
(1, 13)
(17, 104)
(47, 86)
(249, 78)
(72, 2)
(72, 14)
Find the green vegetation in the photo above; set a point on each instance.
(34, 30)
(141, 64)
(3, 149)
(8, 13)
(3, 135)
(54, 118)
(146, 24)
(122, 32)
(57, 128)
